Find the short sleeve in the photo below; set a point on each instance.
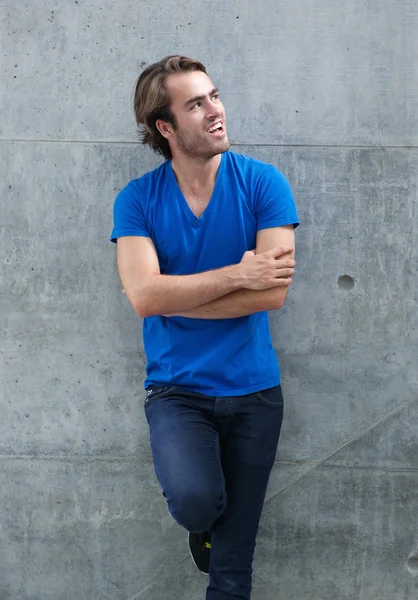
(128, 214)
(275, 205)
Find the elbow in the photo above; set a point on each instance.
(144, 301)
(144, 310)
(277, 302)
(281, 304)
(142, 313)
(271, 304)
(142, 305)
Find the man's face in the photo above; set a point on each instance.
(200, 130)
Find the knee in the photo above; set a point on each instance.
(196, 510)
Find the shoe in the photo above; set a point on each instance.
(199, 546)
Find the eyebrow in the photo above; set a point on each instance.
(198, 98)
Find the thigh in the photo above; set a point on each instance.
(184, 443)
(249, 446)
(252, 435)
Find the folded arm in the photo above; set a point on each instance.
(245, 302)
(151, 293)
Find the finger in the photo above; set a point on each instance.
(283, 281)
(285, 263)
(284, 273)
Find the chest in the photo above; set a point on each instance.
(202, 233)
(198, 202)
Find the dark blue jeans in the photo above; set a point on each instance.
(213, 457)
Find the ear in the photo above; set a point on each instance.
(164, 128)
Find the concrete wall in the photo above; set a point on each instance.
(325, 90)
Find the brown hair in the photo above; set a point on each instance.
(152, 102)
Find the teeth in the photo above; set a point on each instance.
(214, 127)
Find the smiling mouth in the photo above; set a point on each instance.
(215, 128)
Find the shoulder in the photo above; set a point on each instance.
(245, 163)
(249, 165)
(144, 187)
(256, 173)
(139, 192)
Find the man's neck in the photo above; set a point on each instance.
(195, 175)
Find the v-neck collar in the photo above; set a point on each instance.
(195, 220)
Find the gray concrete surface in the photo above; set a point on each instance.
(326, 91)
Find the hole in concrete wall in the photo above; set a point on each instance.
(345, 282)
(412, 562)
(412, 565)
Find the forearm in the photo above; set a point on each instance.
(170, 294)
(238, 304)
(151, 293)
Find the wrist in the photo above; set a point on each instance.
(236, 277)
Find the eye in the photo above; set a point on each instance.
(196, 105)
(215, 97)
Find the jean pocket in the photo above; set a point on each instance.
(158, 392)
(271, 397)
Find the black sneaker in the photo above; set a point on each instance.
(200, 545)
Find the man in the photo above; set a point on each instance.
(205, 249)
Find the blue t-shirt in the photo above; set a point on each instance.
(225, 357)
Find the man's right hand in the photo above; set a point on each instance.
(267, 270)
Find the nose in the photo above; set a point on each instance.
(214, 109)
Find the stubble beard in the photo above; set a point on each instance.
(195, 147)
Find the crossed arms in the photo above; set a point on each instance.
(259, 282)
